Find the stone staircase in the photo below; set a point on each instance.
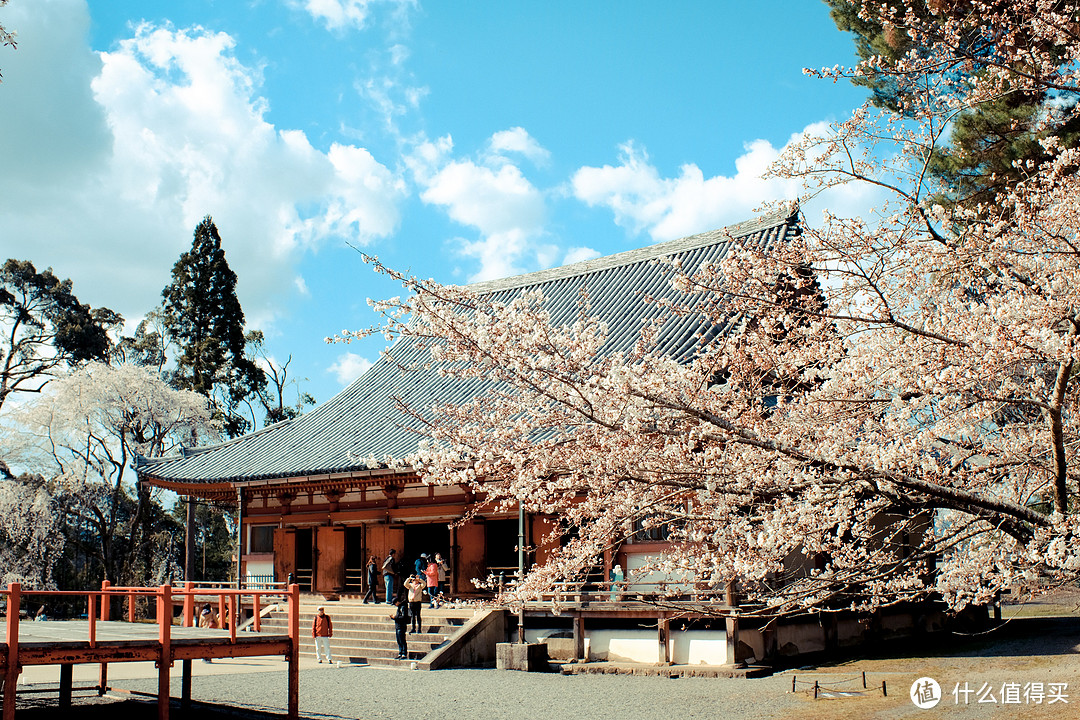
(365, 633)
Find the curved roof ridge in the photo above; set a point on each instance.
(628, 257)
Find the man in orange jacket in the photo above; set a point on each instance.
(322, 629)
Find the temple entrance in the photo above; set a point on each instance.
(430, 539)
(305, 558)
(355, 549)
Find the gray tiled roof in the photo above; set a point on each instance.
(362, 421)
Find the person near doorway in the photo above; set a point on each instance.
(322, 629)
(444, 574)
(415, 584)
(420, 563)
(431, 574)
(389, 570)
(401, 626)
(372, 580)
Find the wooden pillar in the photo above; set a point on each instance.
(164, 608)
(294, 652)
(663, 633)
(65, 686)
(189, 604)
(11, 678)
(185, 685)
(579, 637)
(103, 669)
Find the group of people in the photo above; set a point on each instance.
(406, 591)
(430, 573)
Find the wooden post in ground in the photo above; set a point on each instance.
(65, 686)
(663, 632)
(294, 651)
(11, 678)
(164, 617)
(258, 613)
(103, 672)
(579, 637)
(185, 685)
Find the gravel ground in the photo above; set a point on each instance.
(376, 694)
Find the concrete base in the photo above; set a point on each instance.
(531, 657)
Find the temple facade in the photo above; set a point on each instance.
(312, 502)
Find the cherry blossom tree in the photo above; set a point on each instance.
(913, 434)
(83, 433)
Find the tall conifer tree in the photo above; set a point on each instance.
(202, 316)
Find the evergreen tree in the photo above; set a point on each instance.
(202, 316)
(994, 143)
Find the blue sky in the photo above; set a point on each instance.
(460, 141)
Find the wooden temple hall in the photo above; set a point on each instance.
(312, 507)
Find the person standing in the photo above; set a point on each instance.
(431, 574)
(444, 573)
(389, 570)
(415, 585)
(322, 629)
(401, 626)
(372, 580)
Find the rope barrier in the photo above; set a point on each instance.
(821, 688)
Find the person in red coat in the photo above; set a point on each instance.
(322, 629)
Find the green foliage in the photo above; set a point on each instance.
(202, 315)
(215, 540)
(45, 328)
(993, 144)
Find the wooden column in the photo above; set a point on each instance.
(294, 652)
(164, 617)
(11, 678)
(103, 670)
(663, 633)
(579, 637)
(65, 686)
(185, 684)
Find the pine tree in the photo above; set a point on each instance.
(202, 316)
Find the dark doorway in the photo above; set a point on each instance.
(305, 558)
(500, 546)
(354, 558)
(430, 539)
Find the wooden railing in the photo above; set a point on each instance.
(98, 610)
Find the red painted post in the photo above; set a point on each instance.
(164, 606)
(189, 604)
(221, 611)
(232, 619)
(11, 678)
(131, 606)
(258, 613)
(294, 651)
(103, 670)
(91, 616)
(105, 585)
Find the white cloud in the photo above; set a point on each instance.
(492, 195)
(518, 140)
(341, 14)
(348, 367)
(667, 208)
(121, 153)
